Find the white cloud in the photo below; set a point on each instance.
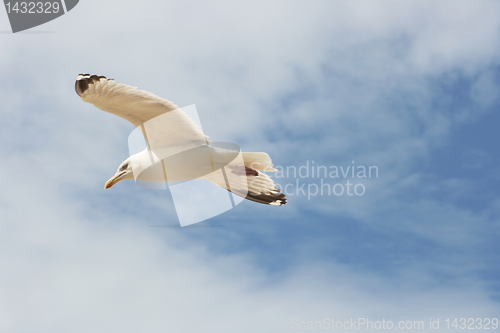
(63, 272)
(334, 82)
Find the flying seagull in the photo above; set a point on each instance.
(178, 134)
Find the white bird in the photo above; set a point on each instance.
(178, 141)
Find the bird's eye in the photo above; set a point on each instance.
(123, 167)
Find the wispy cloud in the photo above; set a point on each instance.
(403, 86)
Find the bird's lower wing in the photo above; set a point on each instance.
(250, 184)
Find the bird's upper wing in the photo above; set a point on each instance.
(140, 107)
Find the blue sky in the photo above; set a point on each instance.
(409, 87)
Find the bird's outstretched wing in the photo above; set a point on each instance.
(139, 107)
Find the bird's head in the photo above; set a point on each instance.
(124, 171)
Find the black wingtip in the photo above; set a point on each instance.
(271, 198)
(83, 81)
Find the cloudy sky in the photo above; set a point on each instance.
(408, 88)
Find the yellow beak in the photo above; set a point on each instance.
(113, 180)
